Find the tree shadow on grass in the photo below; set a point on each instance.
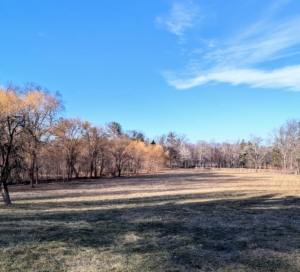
(191, 181)
(258, 233)
(70, 202)
(178, 232)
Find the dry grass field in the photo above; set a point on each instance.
(183, 220)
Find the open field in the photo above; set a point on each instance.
(183, 220)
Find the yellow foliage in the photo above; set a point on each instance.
(156, 157)
(13, 103)
(137, 149)
(10, 103)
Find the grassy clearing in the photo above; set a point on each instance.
(173, 221)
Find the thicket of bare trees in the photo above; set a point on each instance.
(37, 144)
(281, 150)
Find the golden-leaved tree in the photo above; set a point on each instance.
(40, 112)
(156, 157)
(25, 118)
(137, 151)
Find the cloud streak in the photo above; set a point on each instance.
(287, 77)
(237, 61)
(258, 46)
(181, 18)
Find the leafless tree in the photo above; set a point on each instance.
(69, 133)
(120, 152)
(256, 151)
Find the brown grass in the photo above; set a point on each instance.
(181, 220)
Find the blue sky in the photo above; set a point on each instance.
(210, 69)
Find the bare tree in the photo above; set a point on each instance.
(256, 151)
(185, 153)
(23, 120)
(201, 152)
(40, 114)
(230, 153)
(286, 140)
(95, 142)
(69, 134)
(120, 152)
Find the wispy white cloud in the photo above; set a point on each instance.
(287, 77)
(258, 46)
(181, 17)
(285, 55)
(237, 60)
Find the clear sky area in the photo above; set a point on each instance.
(211, 69)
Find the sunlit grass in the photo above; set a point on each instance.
(183, 220)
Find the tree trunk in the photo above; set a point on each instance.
(91, 169)
(32, 169)
(76, 172)
(31, 175)
(36, 175)
(101, 171)
(68, 174)
(95, 171)
(5, 194)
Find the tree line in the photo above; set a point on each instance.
(38, 144)
(279, 150)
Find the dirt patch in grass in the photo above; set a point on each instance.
(178, 220)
